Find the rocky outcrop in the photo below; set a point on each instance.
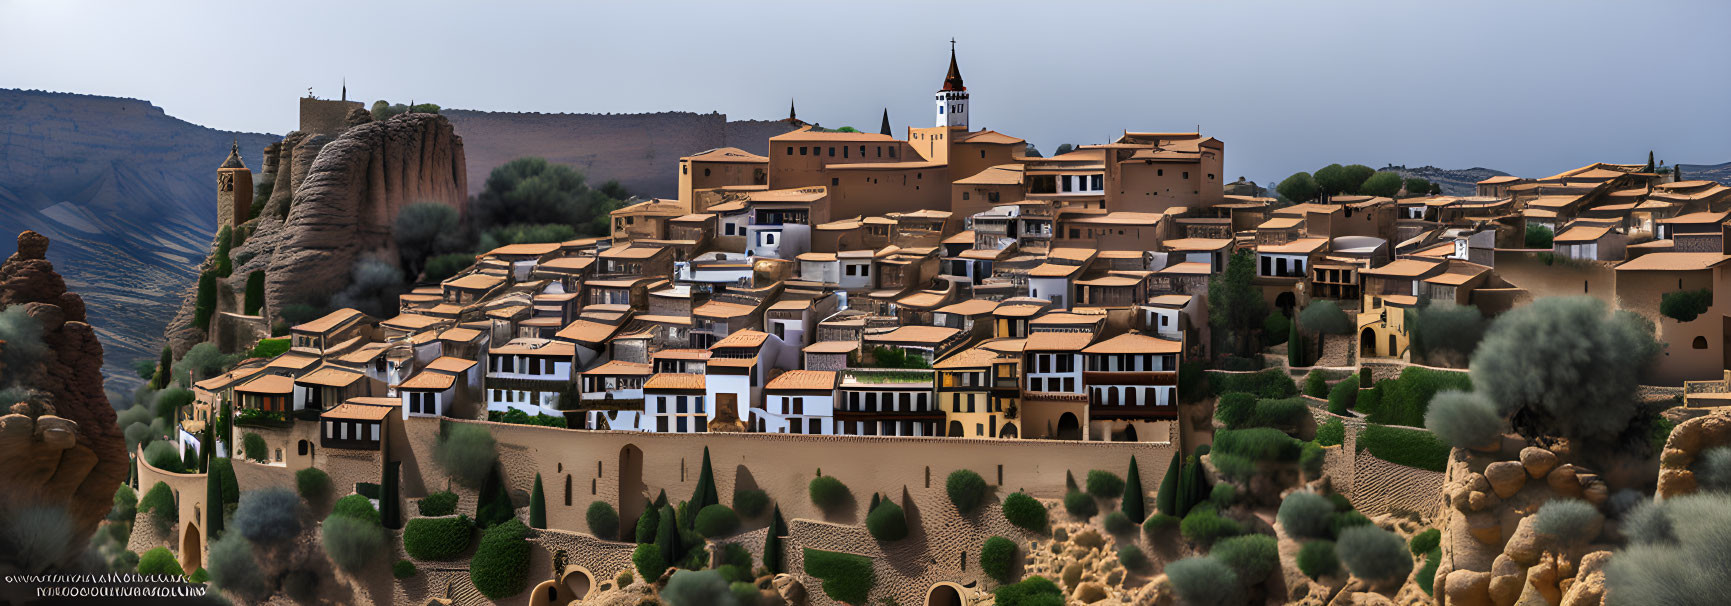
(1684, 445)
(62, 449)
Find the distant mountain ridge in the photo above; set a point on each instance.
(128, 195)
(1454, 181)
(1707, 172)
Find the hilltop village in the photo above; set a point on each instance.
(1064, 334)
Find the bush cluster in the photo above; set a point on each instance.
(1424, 541)
(648, 561)
(438, 538)
(500, 567)
(750, 502)
(998, 559)
(1032, 591)
(1405, 400)
(1025, 512)
(1203, 525)
(966, 489)
(313, 484)
(827, 493)
(1105, 484)
(467, 452)
(716, 521)
(159, 561)
(1159, 523)
(1567, 519)
(603, 521)
(846, 577)
(1306, 515)
(1133, 560)
(1373, 554)
(1272, 383)
(1316, 559)
(1241, 410)
(1343, 396)
(352, 541)
(887, 522)
(268, 515)
(1081, 505)
(442, 503)
(255, 448)
(1202, 581)
(1252, 556)
(403, 569)
(1257, 444)
(1409, 447)
(1331, 433)
(1316, 384)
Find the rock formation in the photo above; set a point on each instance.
(63, 449)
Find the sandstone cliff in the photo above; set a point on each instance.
(341, 197)
(62, 449)
(638, 150)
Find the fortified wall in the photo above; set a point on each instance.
(641, 151)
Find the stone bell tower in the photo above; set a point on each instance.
(233, 190)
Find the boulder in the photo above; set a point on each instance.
(1088, 593)
(1589, 586)
(1563, 481)
(789, 588)
(1468, 588)
(1538, 461)
(1507, 579)
(1543, 579)
(1524, 545)
(1506, 477)
(1596, 492)
(1480, 501)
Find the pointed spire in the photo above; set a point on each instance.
(345, 88)
(885, 129)
(953, 80)
(233, 160)
(792, 116)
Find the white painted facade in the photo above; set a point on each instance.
(801, 414)
(1053, 372)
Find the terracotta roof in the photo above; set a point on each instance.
(1403, 268)
(1188, 268)
(1458, 274)
(807, 134)
(970, 307)
(984, 255)
(476, 281)
(1171, 300)
(1441, 250)
(1053, 270)
(268, 384)
(725, 154)
(816, 257)
(363, 354)
(357, 412)
(1058, 341)
(1581, 233)
(1135, 343)
(1072, 254)
(518, 250)
(1673, 261)
(989, 136)
(224, 380)
(1002, 174)
(448, 364)
(330, 321)
(535, 347)
(719, 309)
(411, 321)
(791, 305)
(1301, 246)
(912, 165)
(831, 347)
(330, 376)
(797, 194)
(961, 237)
(1017, 310)
(620, 367)
(1062, 318)
(921, 299)
(682, 354)
(1118, 218)
(429, 379)
(1197, 244)
(976, 357)
(674, 380)
(928, 335)
(1281, 223)
(1499, 179)
(584, 331)
(742, 338)
(292, 361)
(631, 252)
(1697, 218)
(803, 380)
(1111, 280)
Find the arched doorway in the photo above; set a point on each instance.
(191, 548)
(630, 487)
(955, 430)
(306, 448)
(1008, 432)
(944, 594)
(1285, 301)
(1367, 343)
(577, 581)
(1069, 427)
(1130, 433)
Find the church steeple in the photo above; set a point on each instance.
(885, 129)
(952, 99)
(792, 116)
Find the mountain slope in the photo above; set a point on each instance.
(1454, 181)
(1707, 172)
(127, 194)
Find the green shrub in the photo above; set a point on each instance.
(1685, 305)
(1409, 447)
(1119, 524)
(1569, 519)
(494, 504)
(998, 559)
(125, 505)
(1159, 523)
(646, 525)
(1316, 384)
(300, 585)
(1373, 554)
(358, 507)
(159, 501)
(1331, 433)
(697, 588)
(1342, 520)
(403, 569)
(204, 303)
(159, 561)
(165, 455)
(198, 577)
(437, 538)
(624, 579)
(772, 548)
(828, 493)
(1283, 413)
(1713, 469)
(1538, 236)
(716, 521)
(1311, 459)
(846, 577)
(1343, 396)
(1257, 444)
(255, 448)
(1134, 501)
(1105, 484)
(351, 542)
(1133, 559)
(269, 348)
(442, 503)
(1271, 383)
(1025, 512)
(1192, 482)
(603, 521)
(1425, 541)
(1306, 515)
(500, 567)
(1427, 573)
(1201, 581)
(313, 484)
(746, 593)
(1233, 410)
(648, 561)
(1464, 419)
(1223, 495)
(1253, 556)
(1316, 559)
(1405, 400)
(1203, 525)
(538, 508)
(1166, 498)
(887, 522)
(467, 452)
(1275, 328)
(234, 569)
(750, 503)
(1031, 591)
(966, 489)
(1081, 505)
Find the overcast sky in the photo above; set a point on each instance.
(1531, 87)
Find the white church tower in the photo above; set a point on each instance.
(952, 99)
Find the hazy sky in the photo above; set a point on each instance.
(1530, 87)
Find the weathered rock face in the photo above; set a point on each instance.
(64, 450)
(353, 191)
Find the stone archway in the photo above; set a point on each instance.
(1367, 343)
(631, 497)
(191, 548)
(1008, 432)
(577, 582)
(944, 594)
(1069, 427)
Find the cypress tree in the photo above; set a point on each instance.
(1294, 345)
(390, 508)
(1650, 166)
(1192, 485)
(213, 508)
(204, 449)
(537, 505)
(1166, 500)
(1134, 504)
(706, 493)
(772, 557)
(204, 306)
(667, 537)
(254, 292)
(646, 525)
(661, 499)
(164, 368)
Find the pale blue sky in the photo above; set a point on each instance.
(1531, 87)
